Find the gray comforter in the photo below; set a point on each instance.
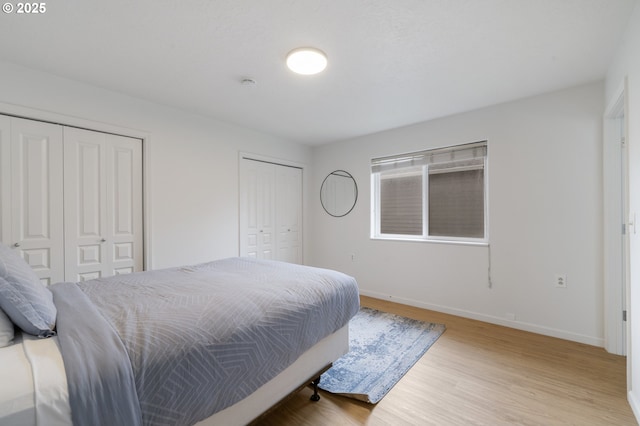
(173, 347)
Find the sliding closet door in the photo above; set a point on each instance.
(32, 196)
(270, 211)
(102, 204)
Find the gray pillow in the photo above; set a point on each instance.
(23, 298)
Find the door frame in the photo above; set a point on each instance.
(616, 225)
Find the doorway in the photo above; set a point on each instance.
(617, 225)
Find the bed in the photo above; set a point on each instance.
(214, 343)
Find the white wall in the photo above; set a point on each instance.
(545, 202)
(192, 161)
(545, 211)
(627, 64)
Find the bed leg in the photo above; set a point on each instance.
(316, 396)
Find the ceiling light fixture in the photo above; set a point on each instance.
(306, 60)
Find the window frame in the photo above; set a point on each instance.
(425, 237)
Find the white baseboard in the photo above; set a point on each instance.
(534, 328)
(635, 404)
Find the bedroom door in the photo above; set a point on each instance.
(31, 194)
(270, 211)
(102, 204)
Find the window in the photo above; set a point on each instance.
(438, 194)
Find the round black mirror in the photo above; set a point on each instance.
(338, 193)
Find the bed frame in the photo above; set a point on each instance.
(317, 359)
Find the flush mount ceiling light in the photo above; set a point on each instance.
(306, 60)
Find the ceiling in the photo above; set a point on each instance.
(391, 62)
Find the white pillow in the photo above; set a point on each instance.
(6, 330)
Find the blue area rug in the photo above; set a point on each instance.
(383, 347)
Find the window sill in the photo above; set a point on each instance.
(479, 243)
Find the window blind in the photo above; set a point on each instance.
(456, 204)
(433, 157)
(401, 205)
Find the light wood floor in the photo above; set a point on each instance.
(482, 374)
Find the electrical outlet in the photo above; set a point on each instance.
(561, 281)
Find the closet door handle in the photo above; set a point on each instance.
(16, 245)
(103, 240)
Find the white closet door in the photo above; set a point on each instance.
(270, 211)
(257, 209)
(36, 218)
(84, 205)
(103, 204)
(289, 213)
(124, 204)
